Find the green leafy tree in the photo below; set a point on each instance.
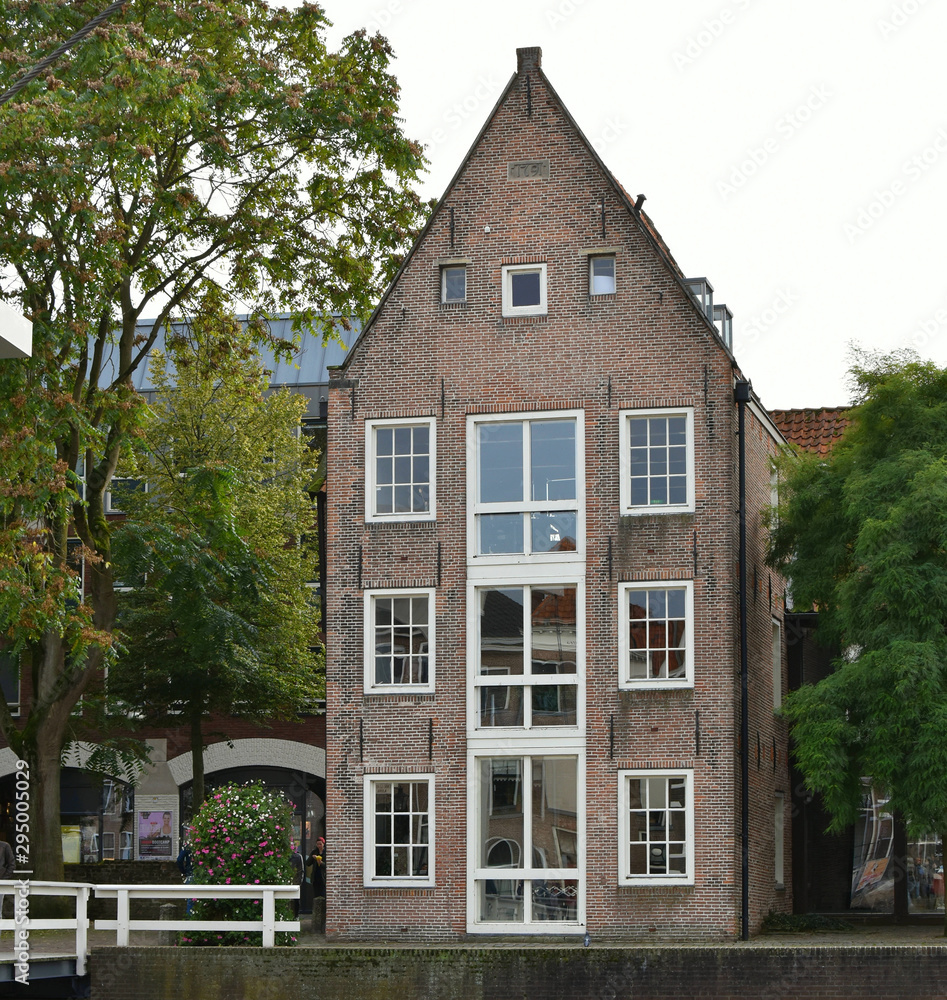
(218, 621)
(863, 535)
(178, 145)
(240, 836)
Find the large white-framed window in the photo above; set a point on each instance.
(399, 640)
(400, 469)
(525, 650)
(656, 827)
(527, 485)
(399, 830)
(657, 461)
(656, 626)
(524, 290)
(526, 842)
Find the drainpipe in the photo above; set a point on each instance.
(741, 392)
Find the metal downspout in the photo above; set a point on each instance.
(742, 396)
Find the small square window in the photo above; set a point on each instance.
(601, 276)
(524, 290)
(454, 283)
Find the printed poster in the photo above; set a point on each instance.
(155, 834)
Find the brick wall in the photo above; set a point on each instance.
(647, 346)
(675, 973)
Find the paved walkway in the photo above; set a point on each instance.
(59, 944)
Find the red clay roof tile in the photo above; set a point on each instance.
(815, 430)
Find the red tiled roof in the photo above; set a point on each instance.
(812, 430)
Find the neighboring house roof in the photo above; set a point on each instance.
(307, 372)
(815, 430)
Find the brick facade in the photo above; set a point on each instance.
(594, 359)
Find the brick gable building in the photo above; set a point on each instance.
(534, 629)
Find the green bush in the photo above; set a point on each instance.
(240, 836)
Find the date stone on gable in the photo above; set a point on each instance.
(528, 170)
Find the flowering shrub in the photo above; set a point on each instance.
(240, 836)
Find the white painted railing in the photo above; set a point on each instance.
(23, 890)
(268, 924)
(123, 925)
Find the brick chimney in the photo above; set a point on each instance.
(528, 60)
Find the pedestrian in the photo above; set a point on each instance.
(7, 867)
(316, 867)
(185, 863)
(298, 873)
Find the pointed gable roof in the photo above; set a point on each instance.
(529, 61)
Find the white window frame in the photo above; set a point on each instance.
(625, 682)
(371, 596)
(110, 508)
(777, 656)
(592, 259)
(625, 417)
(524, 507)
(368, 838)
(371, 426)
(452, 267)
(476, 681)
(539, 309)
(625, 877)
(527, 751)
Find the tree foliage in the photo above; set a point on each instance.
(178, 146)
(218, 620)
(863, 535)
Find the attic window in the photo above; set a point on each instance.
(454, 283)
(524, 290)
(602, 275)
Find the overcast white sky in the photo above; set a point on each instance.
(794, 152)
